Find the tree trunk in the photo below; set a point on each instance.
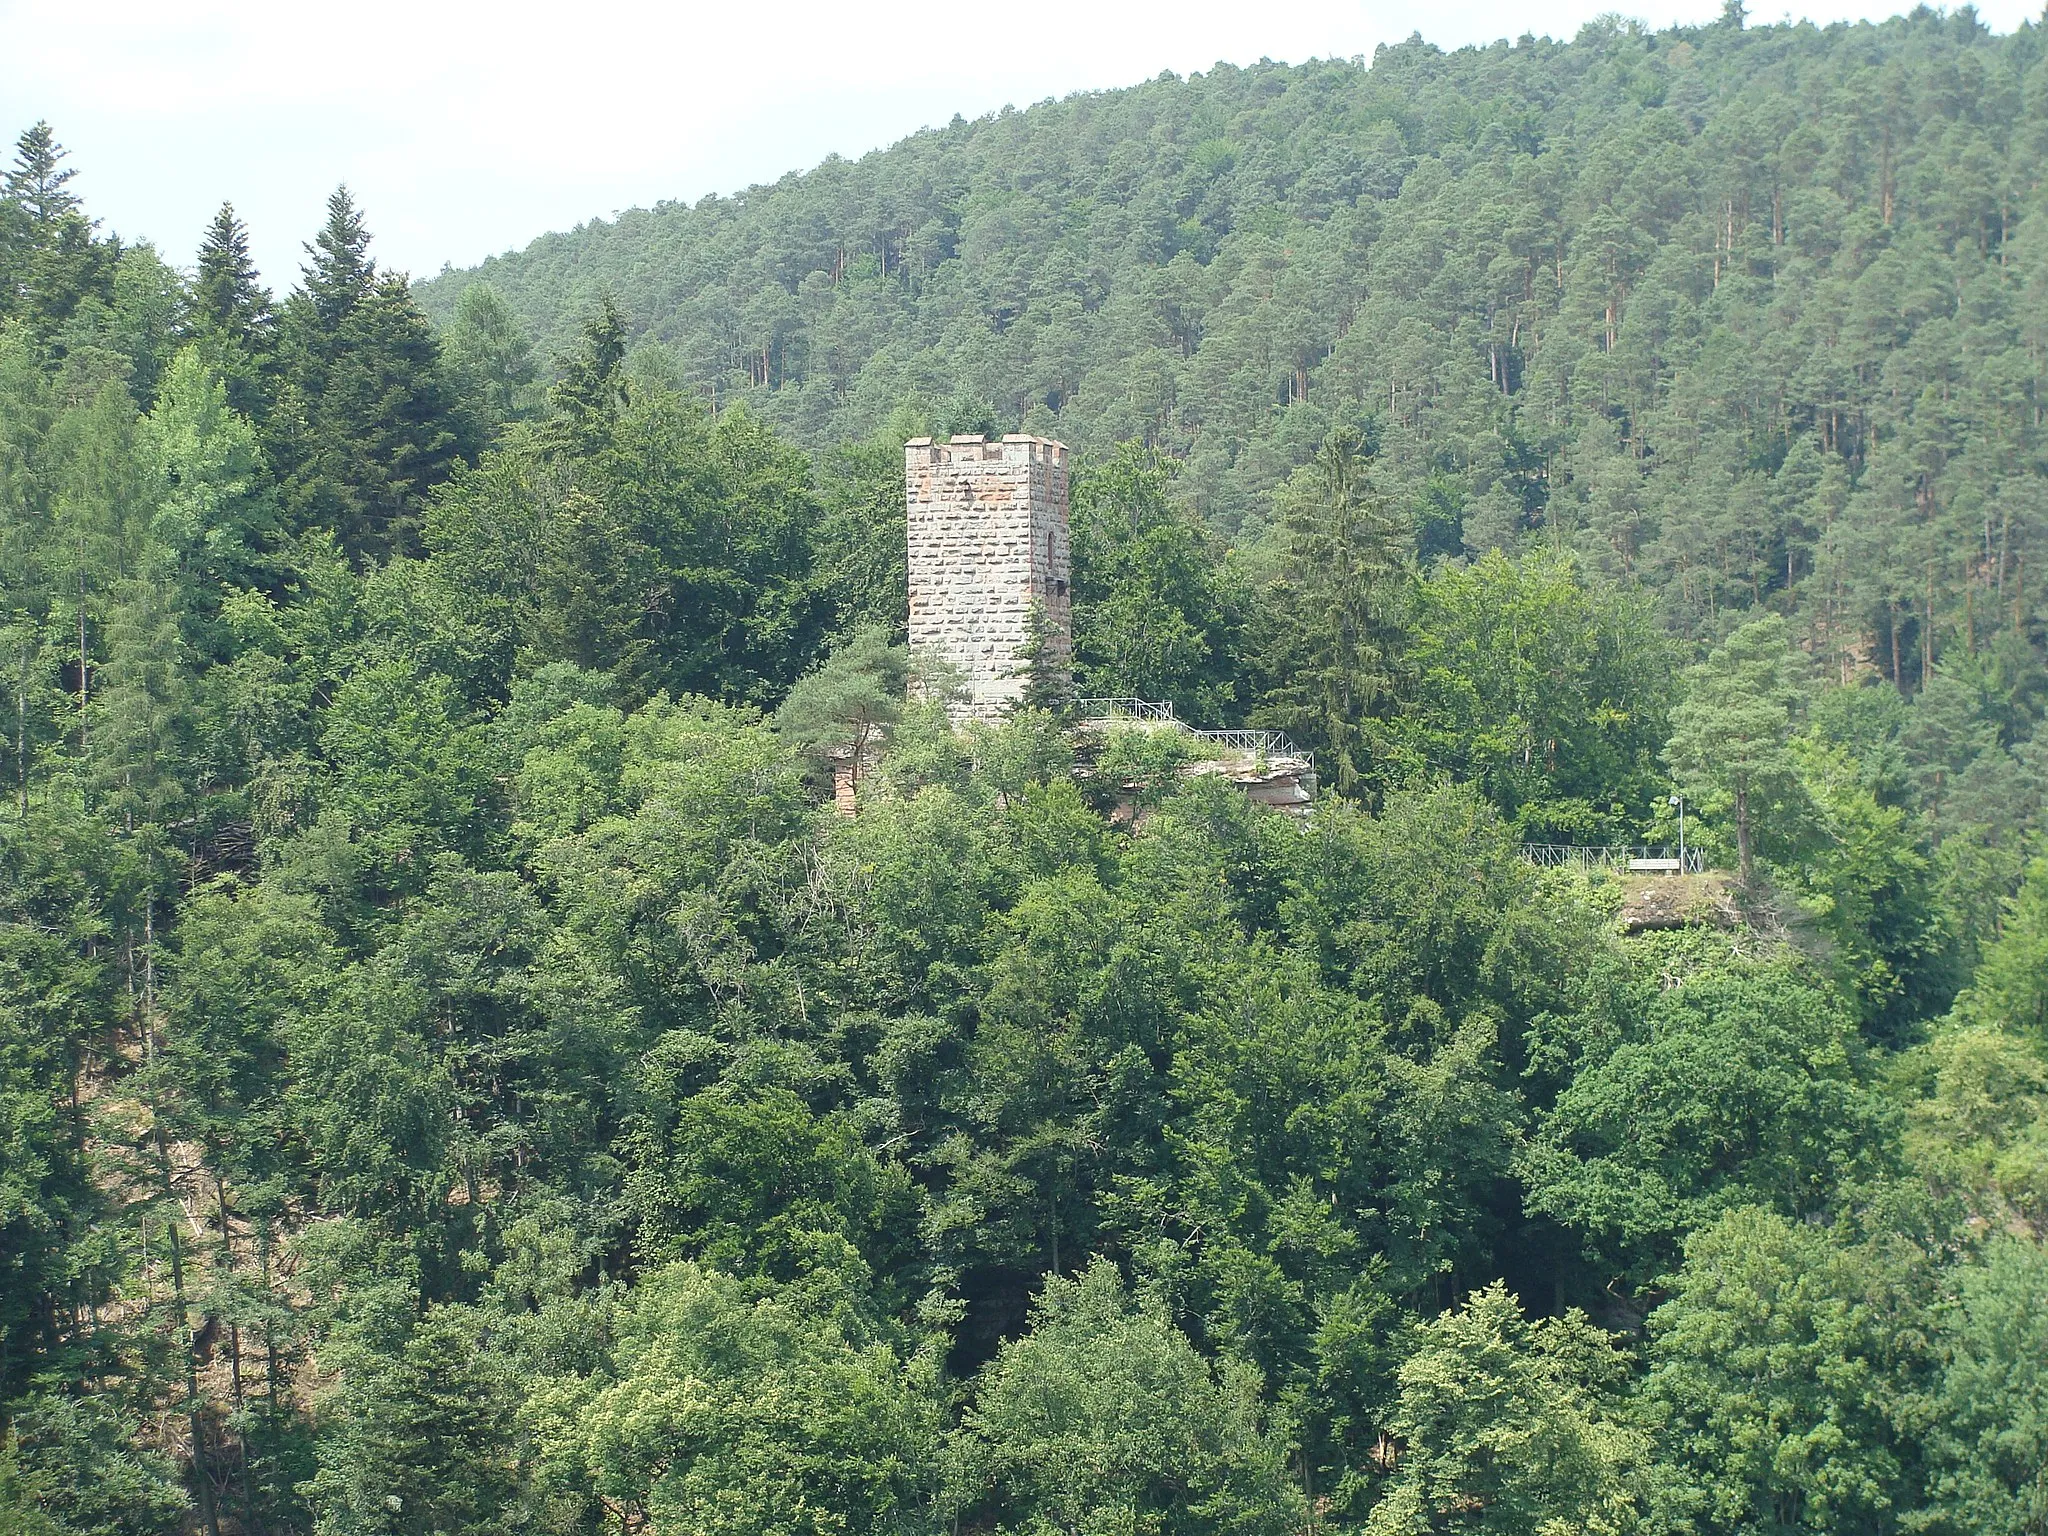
(1745, 862)
(81, 667)
(202, 1479)
(21, 741)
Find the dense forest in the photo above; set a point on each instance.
(459, 1075)
(1747, 315)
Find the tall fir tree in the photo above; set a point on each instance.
(38, 179)
(592, 388)
(233, 313)
(49, 257)
(1334, 626)
(340, 272)
(367, 422)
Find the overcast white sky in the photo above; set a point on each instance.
(466, 129)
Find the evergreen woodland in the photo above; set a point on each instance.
(459, 1077)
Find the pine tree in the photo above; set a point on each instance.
(844, 709)
(1731, 737)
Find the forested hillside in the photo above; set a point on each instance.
(460, 1077)
(1753, 315)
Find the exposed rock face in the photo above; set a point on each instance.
(990, 563)
(1677, 901)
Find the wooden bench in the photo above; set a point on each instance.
(1655, 867)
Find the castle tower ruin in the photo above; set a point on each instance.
(989, 563)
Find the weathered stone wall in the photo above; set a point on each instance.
(988, 543)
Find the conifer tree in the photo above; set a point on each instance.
(847, 706)
(1334, 625)
(490, 357)
(37, 180)
(1730, 741)
(228, 297)
(367, 423)
(592, 387)
(49, 259)
(340, 272)
(225, 294)
(233, 313)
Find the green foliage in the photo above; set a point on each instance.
(2011, 986)
(1974, 1099)
(1740, 1086)
(1328, 645)
(658, 544)
(860, 553)
(760, 1186)
(1103, 1418)
(454, 1077)
(490, 359)
(1775, 1379)
(845, 707)
(1156, 613)
(414, 1431)
(216, 521)
(69, 1468)
(1990, 1407)
(592, 389)
(723, 1413)
(1859, 868)
(51, 265)
(1546, 687)
(1511, 1425)
(227, 299)
(1731, 736)
(1138, 759)
(411, 777)
(366, 423)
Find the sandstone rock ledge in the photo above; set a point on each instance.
(1677, 901)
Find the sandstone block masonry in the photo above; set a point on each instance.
(988, 550)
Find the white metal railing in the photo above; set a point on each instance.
(1580, 856)
(1124, 709)
(1267, 745)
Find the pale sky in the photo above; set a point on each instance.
(466, 129)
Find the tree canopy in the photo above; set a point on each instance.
(461, 1071)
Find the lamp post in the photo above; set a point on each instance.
(1678, 801)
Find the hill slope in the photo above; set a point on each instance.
(1687, 297)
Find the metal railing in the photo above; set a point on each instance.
(1578, 856)
(1125, 709)
(1267, 744)
(1264, 744)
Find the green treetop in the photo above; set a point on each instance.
(1731, 737)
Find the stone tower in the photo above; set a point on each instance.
(988, 549)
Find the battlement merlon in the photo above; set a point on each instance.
(990, 564)
(1016, 447)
